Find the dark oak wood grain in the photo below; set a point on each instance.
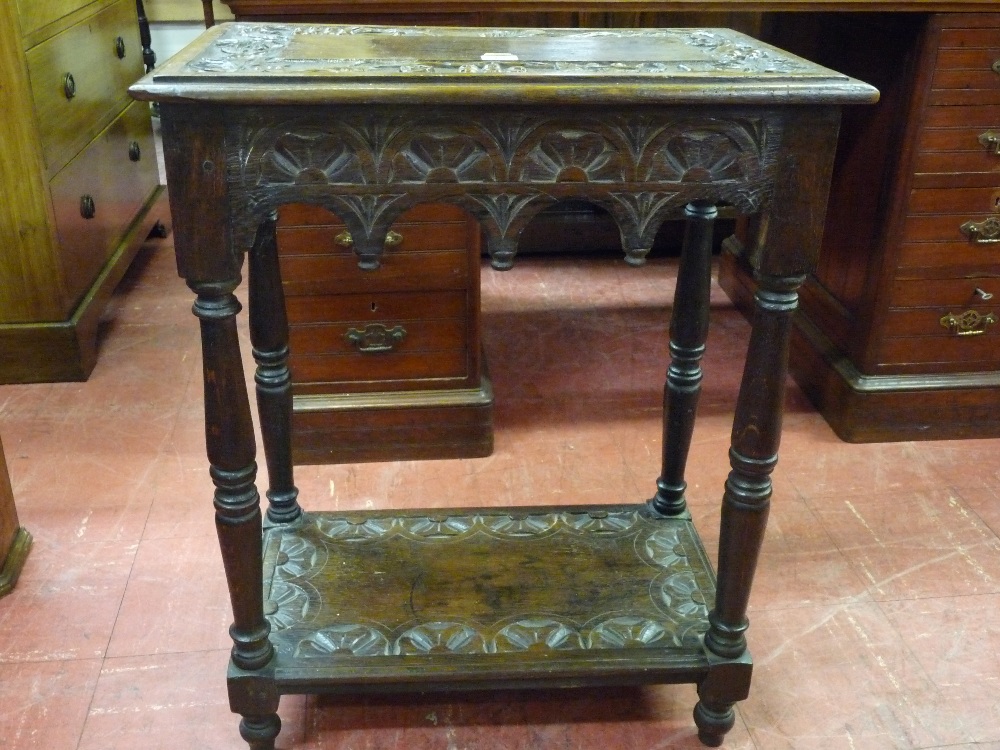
(501, 123)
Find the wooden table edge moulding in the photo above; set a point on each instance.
(369, 121)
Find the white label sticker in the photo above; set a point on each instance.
(498, 57)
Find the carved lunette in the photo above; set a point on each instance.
(369, 167)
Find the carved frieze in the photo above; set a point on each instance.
(370, 166)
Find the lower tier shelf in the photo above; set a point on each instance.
(487, 598)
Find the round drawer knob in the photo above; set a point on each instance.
(69, 86)
(134, 152)
(88, 209)
(120, 48)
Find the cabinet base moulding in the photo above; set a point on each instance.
(396, 426)
(865, 408)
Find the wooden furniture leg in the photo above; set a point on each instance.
(688, 332)
(747, 497)
(269, 336)
(230, 444)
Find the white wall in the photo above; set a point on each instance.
(170, 38)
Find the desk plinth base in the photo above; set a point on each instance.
(587, 595)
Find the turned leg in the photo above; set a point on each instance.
(713, 720)
(260, 731)
(231, 449)
(753, 455)
(269, 336)
(688, 333)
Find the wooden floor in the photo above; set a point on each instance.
(873, 619)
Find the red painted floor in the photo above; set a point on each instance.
(874, 619)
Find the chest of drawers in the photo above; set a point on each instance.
(899, 332)
(78, 178)
(385, 362)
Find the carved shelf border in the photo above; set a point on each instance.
(672, 615)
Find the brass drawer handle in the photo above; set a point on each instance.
(996, 66)
(991, 141)
(985, 232)
(69, 86)
(120, 48)
(88, 209)
(375, 338)
(134, 151)
(392, 239)
(969, 323)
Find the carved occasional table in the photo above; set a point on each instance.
(368, 122)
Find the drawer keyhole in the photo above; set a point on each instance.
(374, 307)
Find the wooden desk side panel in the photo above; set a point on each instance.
(26, 221)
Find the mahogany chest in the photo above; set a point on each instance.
(385, 362)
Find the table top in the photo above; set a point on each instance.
(288, 7)
(271, 63)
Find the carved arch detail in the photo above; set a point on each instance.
(369, 167)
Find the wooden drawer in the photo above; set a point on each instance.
(329, 240)
(418, 337)
(432, 252)
(955, 201)
(960, 292)
(920, 337)
(341, 373)
(301, 214)
(964, 70)
(88, 52)
(339, 273)
(945, 228)
(964, 38)
(926, 322)
(433, 345)
(959, 150)
(979, 118)
(118, 186)
(947, 259)
(34, 14)
(372, 308)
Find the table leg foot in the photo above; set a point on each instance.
(713, 720)
(260, 731)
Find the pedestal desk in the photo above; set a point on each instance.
(371, 121)
(896, 333)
